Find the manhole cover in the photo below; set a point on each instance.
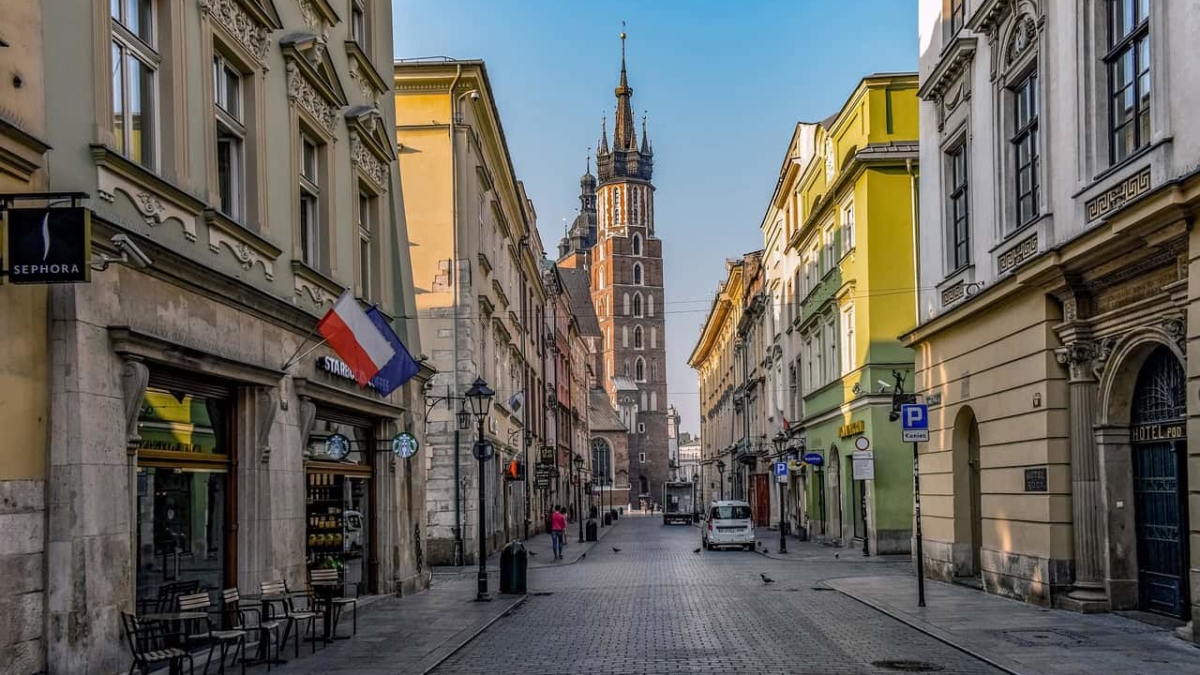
(907, 666)
(1048, 637)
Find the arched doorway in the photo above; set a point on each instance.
(1159, 445)
(833, 477)
(968, 508)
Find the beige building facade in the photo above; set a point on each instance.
(1059, 190)
(238, 152)
(477, 269)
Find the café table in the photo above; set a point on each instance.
(324, 591)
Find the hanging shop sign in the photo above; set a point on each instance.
(405, 445)
(337, 447)
(48, 246)
(547, 454)
(813, 459)
(541, 476)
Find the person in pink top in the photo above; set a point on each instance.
(558, 529)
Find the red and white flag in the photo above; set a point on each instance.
(354, 337)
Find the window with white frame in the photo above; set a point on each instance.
(1025, 149)
(633, 205)
(310, 201)
(958, 16)
(641, 455)
(818, 365)
(600, 278)
(625, 336)
(616, 193)
(830, 248)
(638, 276)
(635, 245)
(958, 206)
(1128, 62)
(653, 337)
(810, 381)
(637, 305)
(653, 401)
(848, 228)
(366, 247)
(649, 304)
(638, 342)
(228, 91)
(639, 369)
(848, 346)
(831, 349)
(134, 67)
(358, 23)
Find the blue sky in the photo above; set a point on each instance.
(723, 83)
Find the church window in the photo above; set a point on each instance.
(637, 304)
(625, 336)
(633, 208)
(626, 312)
(639, 369)
(626, 367)
(636, 245)
(638, 342)
(616, 206)
(653, 401)
(649, 304)
(653, 337)
(600, 278)
(638, 277)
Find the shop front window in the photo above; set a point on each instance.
(338, 500)
(183, 497)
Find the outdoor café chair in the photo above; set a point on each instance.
(234, 639)
(337, 602)
(275, 593)
(151, 643)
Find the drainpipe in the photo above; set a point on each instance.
(916, 220)
(458, 535)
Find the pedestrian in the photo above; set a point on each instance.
(558, 530)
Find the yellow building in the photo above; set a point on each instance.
(476, 266)
(849, 218)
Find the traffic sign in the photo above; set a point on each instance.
(915, 435)
(914, 416)
(862, 443)
(781, 469)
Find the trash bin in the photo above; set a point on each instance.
(590, 530)
(514, 568)
(594, 512)
(607, 518)
(621, 510)
(696, 517)
(614, 515)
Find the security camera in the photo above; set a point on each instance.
(883, 386)
(474, 96)
(130, 253)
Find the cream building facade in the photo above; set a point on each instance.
(477, 269)
(1058, 195)
(241, 146)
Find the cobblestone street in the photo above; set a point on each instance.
(657, 607)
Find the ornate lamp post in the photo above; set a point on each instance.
(578, 462)
(780, 441)
(721, 470)
(480, 397)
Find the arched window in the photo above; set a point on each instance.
(626, 312)
(626, 367)
(653, 401)
(639, 369)
(650, 304)
(654, 370)
(600, 278)
(653, 337)
(616, 206)
(636, 244)
(637, 304)
(633, 205)
(637, 337)
(624, 336)
(637, 274)
(602, 461)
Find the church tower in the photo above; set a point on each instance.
(626, 268)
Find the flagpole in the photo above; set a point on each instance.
(296, 356)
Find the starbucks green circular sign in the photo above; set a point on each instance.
(405, 445)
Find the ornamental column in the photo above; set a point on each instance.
(1088, 592)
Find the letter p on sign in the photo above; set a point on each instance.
(914, 416)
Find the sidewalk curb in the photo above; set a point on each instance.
(479, 631)
(930, 630)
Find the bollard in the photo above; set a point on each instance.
(607, 518)
(514, 568)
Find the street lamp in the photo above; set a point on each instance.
(464, 417)
(721, 470)
(695, 506)
(480, 396)
(578, 462)
(780, 441)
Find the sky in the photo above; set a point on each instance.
(722, 85)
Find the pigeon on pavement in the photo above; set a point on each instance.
(583, 556)
(766, 579)
(616, 550)
(532, 553)
(695, 550)
(837, 555)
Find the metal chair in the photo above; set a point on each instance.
(167, 596)
(250, 619)
(225, 639)
(290, 613)
(339, 603)
(151, 643)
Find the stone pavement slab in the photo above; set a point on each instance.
(540, 552)
(405, 635)
(811, 551)
(1022, 638)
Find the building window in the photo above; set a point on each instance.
(848, 346)
(639, 369)
(231, 137)
(310, 201)
(1025, 149)
(818, 366)
(625, 336)
(633, 205)
(602, 461)
(847, 228)
(637, 337)
(616, 206)
(636, 244)
(960, 226)
(637, 274)
(654, 370)
(653, 337)
(649, 304)
(654, 401)
(830, 249)
(637, 305)
(831, 347)
(958, 16)
(135, 62)
(600, 278)
(358, 23)
(810, 381)
(626, 369)
(366, 251)
(1128, 62)
(642, 455)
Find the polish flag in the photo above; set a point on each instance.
(350, 332)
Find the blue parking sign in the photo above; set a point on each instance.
(781, 469)
(914, 416)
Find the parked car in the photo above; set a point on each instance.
(728, 523)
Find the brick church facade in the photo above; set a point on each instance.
(614, 239)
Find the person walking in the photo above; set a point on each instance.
(558, 531)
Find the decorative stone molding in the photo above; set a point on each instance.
(266, 407)
(308, 417)
(318, 15)
(955, 62)
(1118, 196)
(135, 377)
(368, 163)
(156, 200)
(321, 289)
(989, 16)
(1079, 357)
(254, 35)
(246, 246)
(1176, 328)
(303, 94)
(367, 86)
(1018, 254)
(1023, 37)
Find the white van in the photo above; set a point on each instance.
(728, 523)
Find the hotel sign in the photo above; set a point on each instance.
(48, 246)
(852, 429)
(1152, 433)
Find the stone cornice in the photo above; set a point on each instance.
(362, 71)
(248, 247)
(954, 62)
(127, 341)
(249, 22)
(320, 288)
(325, 393)
(988, 17)
(15, 132)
